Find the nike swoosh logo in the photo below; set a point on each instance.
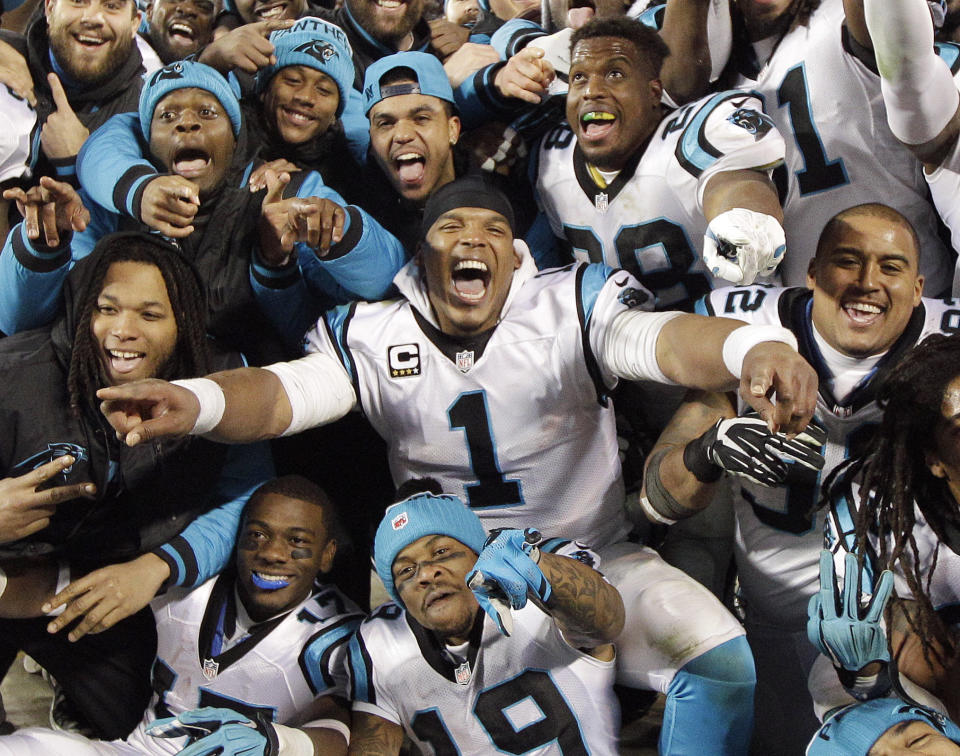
(622, 282)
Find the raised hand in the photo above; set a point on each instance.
(53, 206)
(247, 47)
(258, 176)
(316, 222)
(62, 135)
(526, 76)
(15, 73)
(467, 60)
(447, 37)
(25, 509)
(506, 571)
(169, 205)
(851, 636)
(106, 596)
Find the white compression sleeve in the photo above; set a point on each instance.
(630, 348)
(918, 89)
(318, 388)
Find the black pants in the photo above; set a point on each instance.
(106, 676)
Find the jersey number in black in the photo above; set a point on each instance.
(819, 172)
(558, 722)
(492, 489)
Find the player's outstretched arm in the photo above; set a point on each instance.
(511, 568)
(371, 735)
(235, 406)
(713, 353)
(587, 608)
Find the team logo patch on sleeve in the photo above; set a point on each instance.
(753, 121)
(633, 297)
(403, 360)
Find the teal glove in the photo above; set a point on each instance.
(505, 572)
(219, 731)
(851, 641)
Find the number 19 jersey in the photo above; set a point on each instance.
(529, 693)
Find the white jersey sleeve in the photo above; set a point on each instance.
(726, 132)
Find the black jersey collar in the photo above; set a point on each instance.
(433, 651)
(219, 621)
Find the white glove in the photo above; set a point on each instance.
(741, 244)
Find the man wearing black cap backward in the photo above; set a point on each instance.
(494, 380)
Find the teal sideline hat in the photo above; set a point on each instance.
(185, 74)
(314, 43)
(854, 730)
(423, 514)
(428, 70)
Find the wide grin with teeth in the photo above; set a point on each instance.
(267, 582)
(180, 29)
(389, 4)
(862, 313)
(89, 41)
(123, 361)
(471, 279)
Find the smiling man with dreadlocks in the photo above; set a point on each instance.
(74, 497)
(910, 522)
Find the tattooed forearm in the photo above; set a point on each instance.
(374, 736)
(585, 605)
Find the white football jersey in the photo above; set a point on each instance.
(779, 532)
(279, 669)
(840, 150)
(517, 423)
(944, 586)
(529, 693)
(17, 137)
(649, 220)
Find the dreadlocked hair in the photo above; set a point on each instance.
(895, 477)
(190, 355)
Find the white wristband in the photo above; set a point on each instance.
(293, 742)
(742, 340)
(331, 724)
(212, 403)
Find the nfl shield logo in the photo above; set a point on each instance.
(210, 668)
(464, 361)
(600, 202)
(399, 521)
(462, 674)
